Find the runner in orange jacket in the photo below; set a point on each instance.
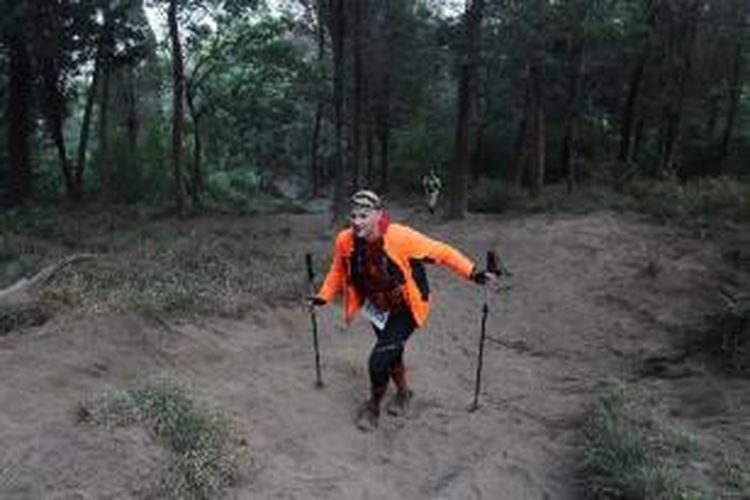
(379, 267)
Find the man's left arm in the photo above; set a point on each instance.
(424, 247)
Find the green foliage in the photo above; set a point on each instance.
(417, 151)
(259, 85)
(628, 454)
(155, 178)
(233, 186)
(204, 461)
(255, 80)
(48, 183)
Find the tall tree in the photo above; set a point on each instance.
(316, 15)
(359, 21)
(680, 28)
(100, 59)
(178, 96)
(635, 81)
(106, 67)
(383, 93)
(575, 45)
(458, 174)
(538, 143)
(337, 29)
(18, 119)
(733, 96)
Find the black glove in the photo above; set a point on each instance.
(316, 301)
(479, 277)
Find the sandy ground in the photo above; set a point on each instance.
(581, 313)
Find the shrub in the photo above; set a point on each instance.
(721, 196)
(233, 186)
(491, 195)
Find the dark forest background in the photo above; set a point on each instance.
(224, 103)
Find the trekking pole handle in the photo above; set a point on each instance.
(308, 263)
(492, 262)
(495, 265)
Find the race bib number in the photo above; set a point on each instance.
(376, 316)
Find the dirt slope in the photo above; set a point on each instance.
(581, 312)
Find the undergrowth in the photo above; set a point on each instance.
(162, 265)
(666, 200)
(631, 454)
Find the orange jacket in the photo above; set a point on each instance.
(406, 248)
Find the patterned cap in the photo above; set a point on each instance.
(365, 198)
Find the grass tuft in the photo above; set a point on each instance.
(628, 453)
(198, 273)
(204, 460)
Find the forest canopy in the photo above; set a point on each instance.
(218, 102)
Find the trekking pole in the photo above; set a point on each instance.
(492, 267)
(313, 318)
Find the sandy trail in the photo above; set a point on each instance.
(579, 314)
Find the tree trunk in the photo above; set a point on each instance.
(480, 110)
(337, 30)
(735, 85)
(196, 174)
(18, 120)
(131, 103)
(369, 122)
(575, 62)
(385, 147)
(628, 114)
(519, 151)
(178, 93)
(381, 90)
(86, 122)
(384, 130)
(106, 167)
(684, 41)
(356, 131)
(458, 174)
(567, 162)
(370, 149)
(536, 176)
(315, 161)
(54, 110)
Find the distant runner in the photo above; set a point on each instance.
(378, 265)
(432, 186)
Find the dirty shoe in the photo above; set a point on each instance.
(398, 406)
(367, 417)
